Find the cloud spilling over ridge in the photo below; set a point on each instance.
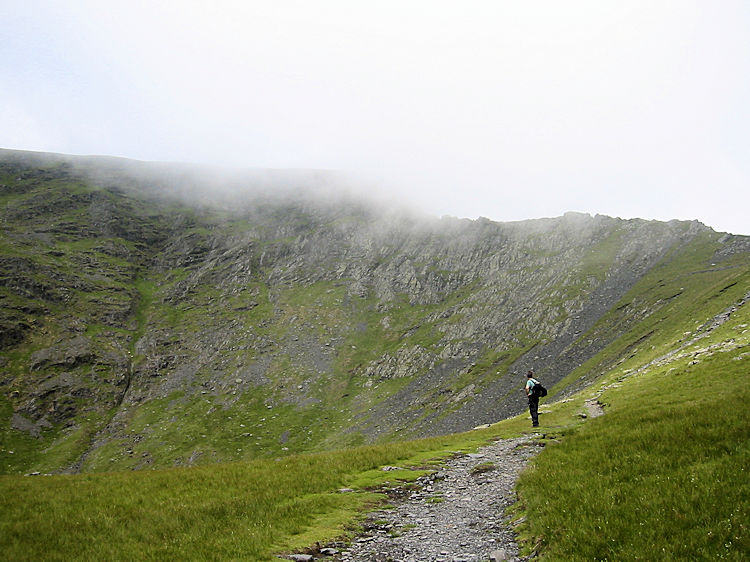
(504, 110)
(224, 188)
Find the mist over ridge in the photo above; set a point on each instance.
(153, 315)
(231, 188)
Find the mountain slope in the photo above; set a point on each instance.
(152, 316)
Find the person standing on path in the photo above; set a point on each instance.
(533, 398)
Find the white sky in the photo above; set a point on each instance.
(508, 110)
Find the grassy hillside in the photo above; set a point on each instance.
(673, 303)
(150, 320)
(245, 511)
(216, 344)
(661, 476)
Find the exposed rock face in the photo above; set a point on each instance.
(162, 314)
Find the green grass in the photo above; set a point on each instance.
(483, 467)
(660, 477)
(17, 450)
(245, 511)
(663, 476)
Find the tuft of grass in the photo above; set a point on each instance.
(483, 467)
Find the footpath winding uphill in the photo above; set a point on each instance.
(458, 514)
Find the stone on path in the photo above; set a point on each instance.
(498, 556)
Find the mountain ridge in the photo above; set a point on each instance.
(139, 330)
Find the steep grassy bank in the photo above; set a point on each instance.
(674, 302)
(663, 476)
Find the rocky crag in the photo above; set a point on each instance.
(154, 315)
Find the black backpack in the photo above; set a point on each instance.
(538, 390)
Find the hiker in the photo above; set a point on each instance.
(533, 398)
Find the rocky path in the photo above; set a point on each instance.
(456, 516)
(594, 408)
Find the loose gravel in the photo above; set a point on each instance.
(457, 516)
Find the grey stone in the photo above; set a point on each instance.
(20, 423)
(498, 555)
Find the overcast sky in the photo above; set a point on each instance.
(508, 110)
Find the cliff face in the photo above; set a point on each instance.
(152, 317)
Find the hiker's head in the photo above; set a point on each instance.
(529, 374)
